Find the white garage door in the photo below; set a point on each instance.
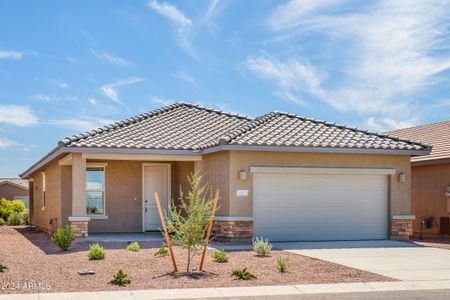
(317, 207)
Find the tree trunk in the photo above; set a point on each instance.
(189, 259)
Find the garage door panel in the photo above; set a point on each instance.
(320, 206)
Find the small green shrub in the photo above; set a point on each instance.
(7, 207)
(162, 251)
(220, 256)
(282, 264)
(96, 252)
(63, 237)
(2, 221)
(120, 278)
(261, 246)
(134, 246)
(25, 217)
(14, 219)
(2, 268)
(242, 274)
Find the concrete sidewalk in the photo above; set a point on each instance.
(240, 291)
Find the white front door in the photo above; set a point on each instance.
(156, 179)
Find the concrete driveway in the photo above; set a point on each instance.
(399, 260)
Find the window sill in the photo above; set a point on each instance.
(98, 217)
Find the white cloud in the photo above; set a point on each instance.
(183, 24)
(42, 97)
(162, 101)
(17, 115)
(16, 55)
(292, 77)
(6, 143)
(59, 83)
(93, 101)
(72, 60)
(81, 124)
(387, 53)
(291, 13)
(110, 58)
(385, 124)
(185, 76)
(110, 90)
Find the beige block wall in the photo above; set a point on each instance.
(429, 184)
(215, 169)
(41, 217)
(243, 160)
(8, 191)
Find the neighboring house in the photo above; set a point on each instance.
(430, 185)
(14, 188)
(280, 176)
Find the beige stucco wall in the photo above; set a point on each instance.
(8, 191)
(123, 195)
(215, 169)
(41, 216)
(429, 184)
(243, 160)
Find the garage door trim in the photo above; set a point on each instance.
(313, 170)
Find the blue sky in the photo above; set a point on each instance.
(71, 66)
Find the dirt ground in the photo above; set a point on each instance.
(433, 242)
(36, 265)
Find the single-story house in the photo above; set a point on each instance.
(281, 176)
(14, 189)
(430, 179)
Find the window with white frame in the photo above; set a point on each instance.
(95, 190)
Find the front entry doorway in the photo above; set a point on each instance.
(156, 179)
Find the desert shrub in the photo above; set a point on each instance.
(120, 278)
(220, 255)
(7, 207)
(25, 217)
(162, 251)
(2, 221)
(261, 246)
(63, 237)
(2, 268)
(14, 219)
(189, 221)
(242, 274)
(134, 246)
(96, 252)
(282, 264)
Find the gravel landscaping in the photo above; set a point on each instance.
(36, 265)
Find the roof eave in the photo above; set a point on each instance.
(61, 150)
(316, 150)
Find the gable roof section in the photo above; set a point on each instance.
(184, 128)
(289, 130)
(180, 126)
(15, 181)
(436, 134)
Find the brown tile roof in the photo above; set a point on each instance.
(180, 126)
(15, 181)
(284, 129)
(185, 126)
(436, 134)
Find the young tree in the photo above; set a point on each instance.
(189, 220)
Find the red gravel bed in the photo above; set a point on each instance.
(36, 265)
(433, 242)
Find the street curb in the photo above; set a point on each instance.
(197, 293)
